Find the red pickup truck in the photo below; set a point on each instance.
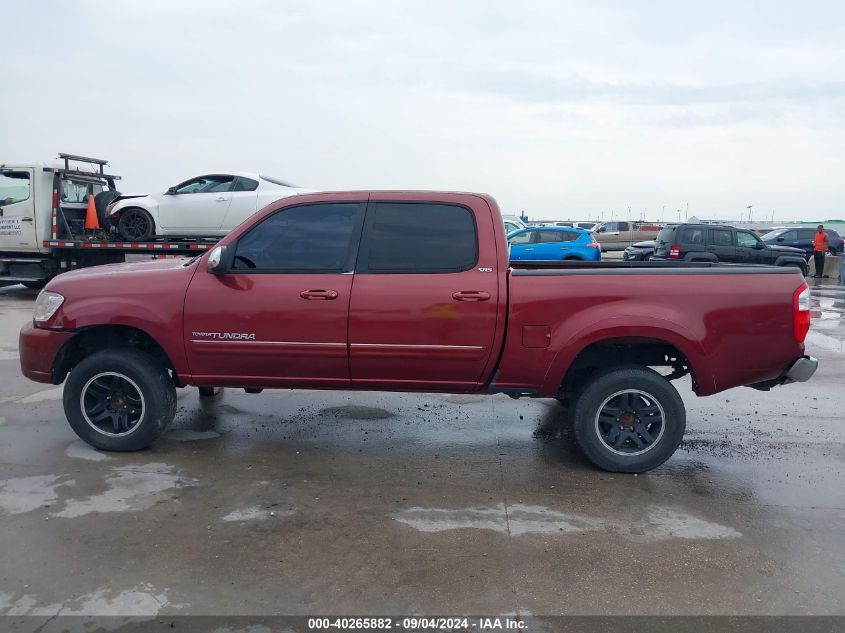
(413, 291)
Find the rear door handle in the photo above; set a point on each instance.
(529, 249)
(26, 219)
(221, 199)
(470, 295)
(319, 295)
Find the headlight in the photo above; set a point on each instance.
(46, 306)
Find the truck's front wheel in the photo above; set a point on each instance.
(119, 399)
(628, 419)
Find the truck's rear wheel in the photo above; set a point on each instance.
(119, 399)
(136, 225)
(629, 419)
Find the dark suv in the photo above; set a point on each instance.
(718, 243)
(803, 238)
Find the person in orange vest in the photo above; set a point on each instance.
(820, 247)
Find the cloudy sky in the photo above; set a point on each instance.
(561, 109)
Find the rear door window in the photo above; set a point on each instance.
(721, 237)
(416, 237)
(544, 237)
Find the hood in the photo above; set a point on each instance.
(786, 249)
(122, 278)
(646, 244)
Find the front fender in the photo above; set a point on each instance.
(148, 203)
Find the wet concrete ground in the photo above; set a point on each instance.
(309, 502)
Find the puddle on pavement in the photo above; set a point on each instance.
(81, 450)
(187, 435)
(129, 488)
(141, 600)
(25, 494)
(659, 523)
(258, 513)
(357, 412)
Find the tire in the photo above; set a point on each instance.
(652, 398)
(35, 285)
(142, 387)
(135, 225)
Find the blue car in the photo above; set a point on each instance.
(551, 243)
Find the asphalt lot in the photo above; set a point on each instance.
(309, 502)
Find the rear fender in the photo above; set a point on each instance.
(633, 326)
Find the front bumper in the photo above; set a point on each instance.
(38, 350)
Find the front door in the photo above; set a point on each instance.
(198, 205)
(17, 210)
(425, 296)
(279, 316)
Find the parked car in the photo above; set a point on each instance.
(442, 312)
(719, 243)
(803, 238)
(616, 236)
(210, 206)
(553, 243)
(512, 223)
(639, 252)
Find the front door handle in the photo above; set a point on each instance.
(26, 219)
(529, 249)
(319, 295)
(221, 199)
(470, 295)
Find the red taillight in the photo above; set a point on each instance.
(675, 252)
(594, 245)
(801, 312)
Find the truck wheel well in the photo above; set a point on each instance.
(100, 337)
(647, 352)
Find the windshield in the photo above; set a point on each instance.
(771, 235)
(14, 187)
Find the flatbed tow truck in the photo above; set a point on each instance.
(42, 222)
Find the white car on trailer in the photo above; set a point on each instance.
(209, 205)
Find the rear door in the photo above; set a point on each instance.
(17, 210)
(547, 245)
(720, 242)
(279, 316)
(425, 296)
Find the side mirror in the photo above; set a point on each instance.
(216, 263)
(759, 245)
(601, 229)
(780, 239)
(171, 190)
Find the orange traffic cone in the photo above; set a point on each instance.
(91, 221)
